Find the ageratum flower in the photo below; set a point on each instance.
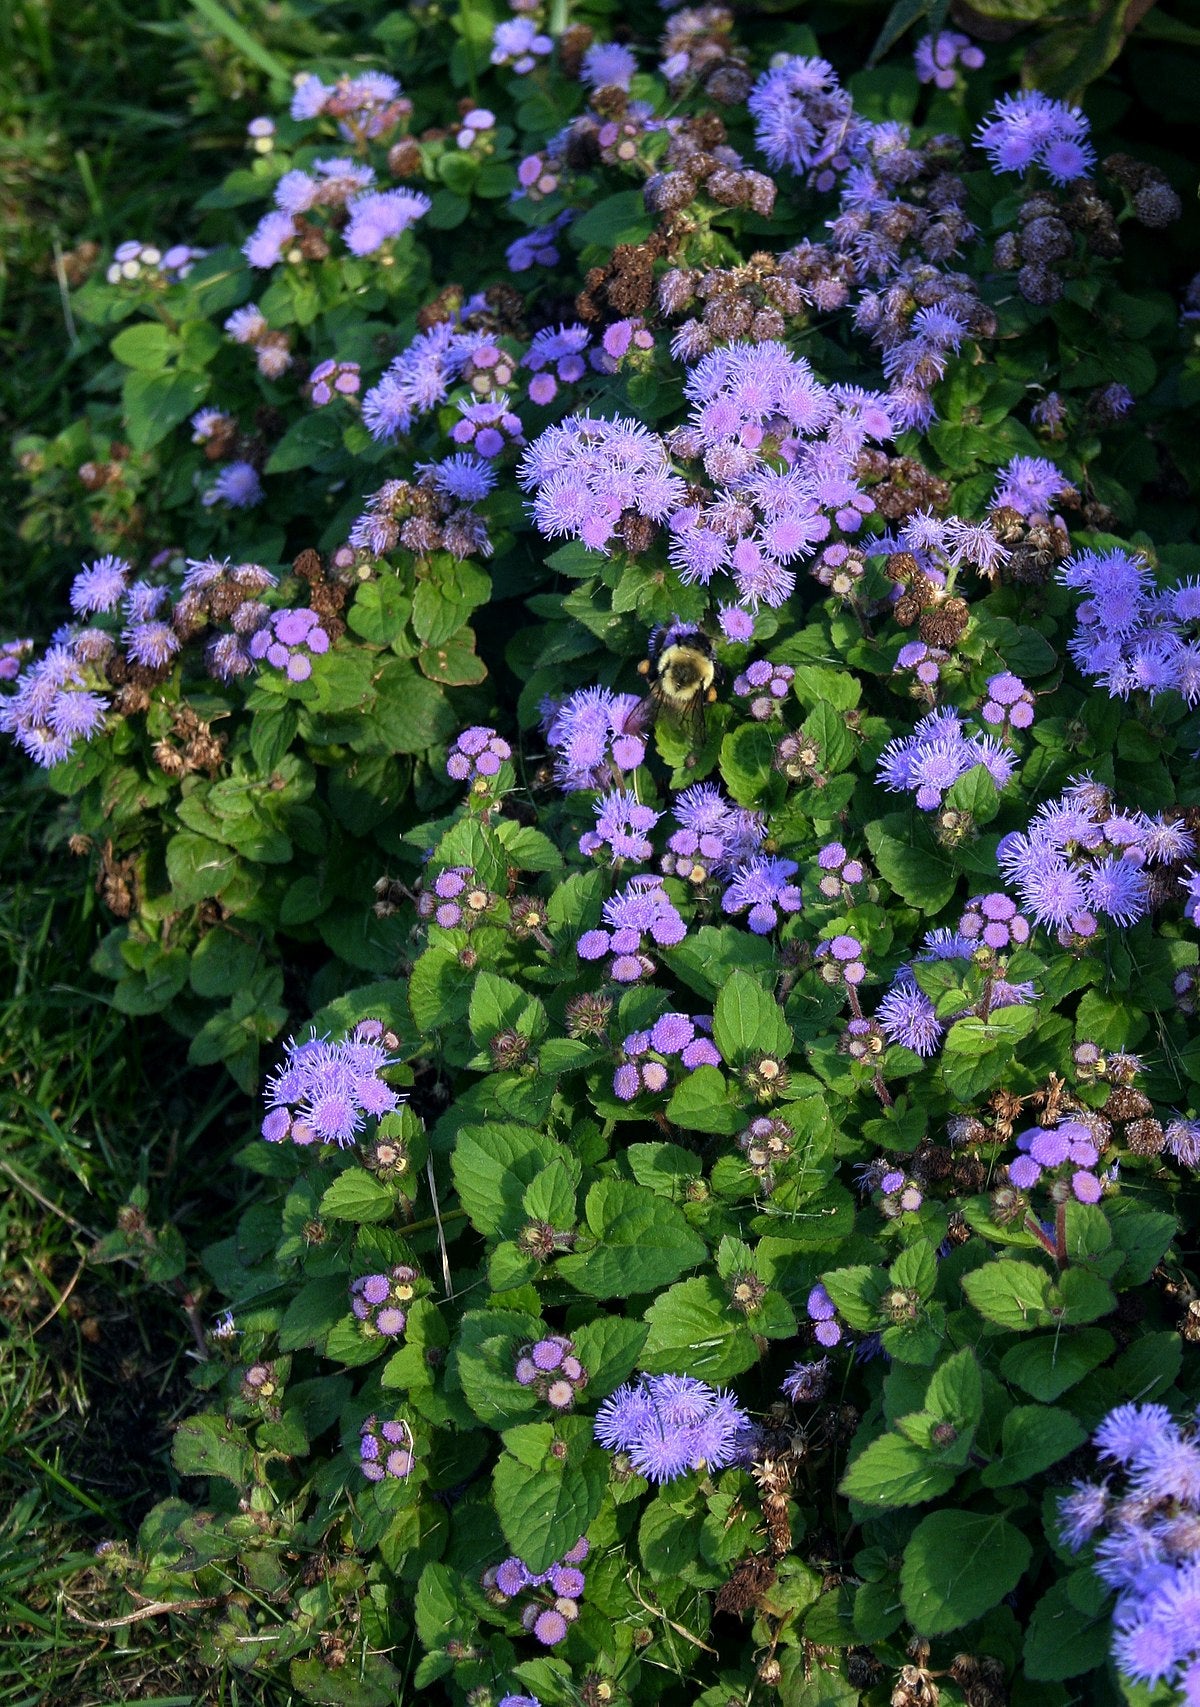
(593, 737)
(642, 909)
(328, 1090)
(1145, 1530)
(586, 474)
(1029, 129)
(670, 1424)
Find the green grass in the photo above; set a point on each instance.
(101, 109)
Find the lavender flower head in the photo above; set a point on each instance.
(594, 737)
(327, 1090)
(477, 753)
(642, 909)
(586, 474)
(622, 823)
(1030, 128)
(237, 485)
(938, 752)
(762, 888)
(1143, 1521)
(936, 58)
(670, 1424)
(385, 1449)
(289, 641)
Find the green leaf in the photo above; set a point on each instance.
(957, 1565)
(315, 1308)
(955, 1391)
(895, 1472)
(492, 1165)
(154, 403)
(198, 868)
(915, 869)
(1013, 1294)
(701, 1103)
(210, 1445)
(747, 1020)
(976, 1052)
(608, 1348)
(826, 725)
(1062, 1641)
(550, 1196)
(357, 1195)
(1051, 1363)
(693, 1326)
(147, 346)
(642, 1243)
(857, 1292)
(1035, 1436)
(544, 1511)
(620, 218)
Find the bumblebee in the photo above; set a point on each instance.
(683, 673)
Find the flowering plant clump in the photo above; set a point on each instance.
(632, 681)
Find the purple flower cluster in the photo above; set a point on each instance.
(385, 1449)
(518, 44)
(133, 259)
(378, 1300)
(454, 898)
(594, 738)
(937, 57)
(556, 354)
(419, 378)
(537, 248)
(942, 543)
(924, 661)
(840, 960)
(289, 641)
(754, 406)
(646, 1054)
(670, 1424)
(805, 120)
(1081, 860)
(993, 920)
(622, 823)
(938, 752)
(765, 685)
(550, 1368)
(1146, 1535)
(642, 909)
(53, 706)
(1008, 703)
(806, 1383)
(477, 754)
(607, 65)
(822, 1313)
(1030, 485)
(763, 886)
(327, 1091)
(13, 653)
(366, 107)
(713, 835)
(546, 1615)
(487, 425)
(1053, 1150)
(330, 379)
(838, 872)
(237, 486)
(898, 1194)
(1029, 129)
(586, 474)
(1133, 636)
